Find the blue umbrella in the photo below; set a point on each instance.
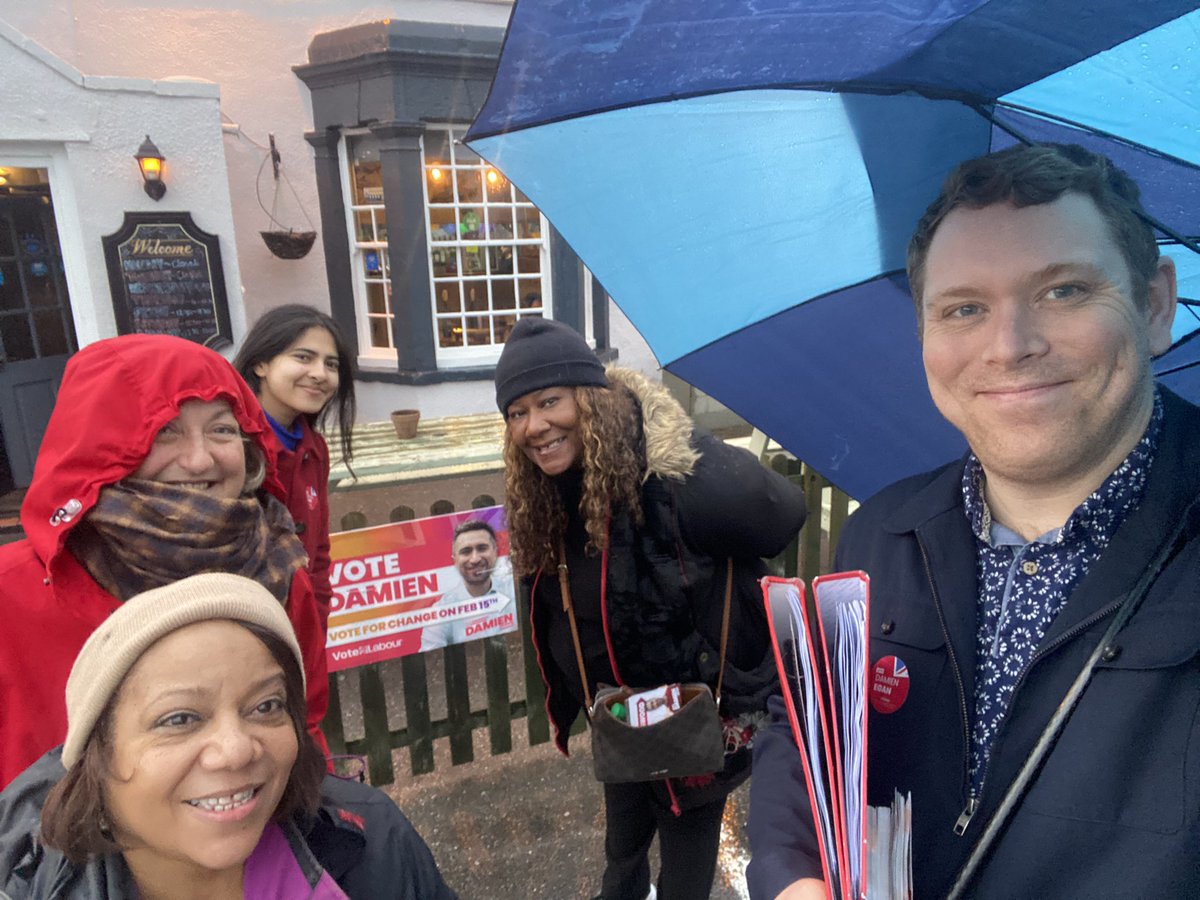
(743, 176)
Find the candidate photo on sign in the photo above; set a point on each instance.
(486, 584)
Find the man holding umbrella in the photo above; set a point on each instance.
(1040, 593)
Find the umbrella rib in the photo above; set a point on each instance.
(1098, 132)
(1182, 366)
(1190, 306)
(1175, 236)
(1150, 220)
(826, 87)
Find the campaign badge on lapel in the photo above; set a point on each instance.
(889, 684)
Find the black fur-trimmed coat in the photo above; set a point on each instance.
(703, 502)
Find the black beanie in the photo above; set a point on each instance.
(541, 353)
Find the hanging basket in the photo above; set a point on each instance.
(283, 241)
(289, 244)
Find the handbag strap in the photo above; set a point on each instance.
(725, 625)
(564, 588)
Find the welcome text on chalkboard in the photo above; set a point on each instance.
(166, 277)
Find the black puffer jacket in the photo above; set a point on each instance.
(703, 502)
(358, 836)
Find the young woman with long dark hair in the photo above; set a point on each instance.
(301, 368)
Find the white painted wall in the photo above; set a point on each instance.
(248, 48)
(85, 130)
(376, 401)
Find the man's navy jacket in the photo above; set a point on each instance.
(1115, 811)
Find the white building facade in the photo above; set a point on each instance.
(424, 254)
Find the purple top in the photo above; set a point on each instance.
(273, 873)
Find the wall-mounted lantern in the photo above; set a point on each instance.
(150, 161)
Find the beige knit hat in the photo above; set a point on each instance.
(141, 621)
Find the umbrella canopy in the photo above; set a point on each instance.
(743, 176)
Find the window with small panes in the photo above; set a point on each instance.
(488, 251)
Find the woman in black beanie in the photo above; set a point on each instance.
(606, 474)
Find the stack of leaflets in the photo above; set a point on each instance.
(823, 660)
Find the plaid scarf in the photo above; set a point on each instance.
(145, 534)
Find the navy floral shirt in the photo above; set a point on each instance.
(1023, 585)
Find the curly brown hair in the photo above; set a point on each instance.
(614, 468)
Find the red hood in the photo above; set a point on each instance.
(115, 396)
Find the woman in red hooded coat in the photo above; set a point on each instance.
(156, 464)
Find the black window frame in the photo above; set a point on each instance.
(391, 78)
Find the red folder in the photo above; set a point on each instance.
(821, 652)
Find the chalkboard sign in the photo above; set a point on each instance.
(166, 278)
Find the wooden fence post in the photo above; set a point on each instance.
(499, 707)
(458, 703)
(416, 712)
(810, 541)
(839, 511)
(332, 726)
(495, 669)
(535, 692)
(787, 564)
(375, 723)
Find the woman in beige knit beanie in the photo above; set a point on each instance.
(189, 771)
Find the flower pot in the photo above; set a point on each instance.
(405, 422)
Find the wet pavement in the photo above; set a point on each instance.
(529, 824)
(524, 825)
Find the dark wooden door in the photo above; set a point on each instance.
(37, 331)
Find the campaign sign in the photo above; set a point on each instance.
(413, 586)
